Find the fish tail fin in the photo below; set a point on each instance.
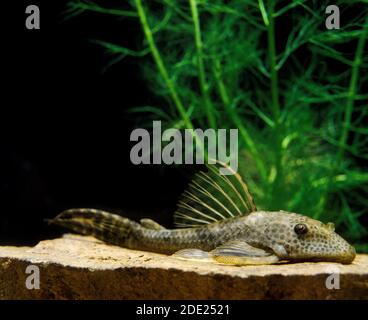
(103, 225)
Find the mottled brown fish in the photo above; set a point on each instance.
(218, 221)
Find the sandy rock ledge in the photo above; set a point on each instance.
(76, 267)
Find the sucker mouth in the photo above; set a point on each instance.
(350, 256)
(345, 257)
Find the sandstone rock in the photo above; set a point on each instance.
(76, 267)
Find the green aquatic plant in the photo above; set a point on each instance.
(295, 90)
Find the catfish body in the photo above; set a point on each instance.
(218, 221)
(273, 235)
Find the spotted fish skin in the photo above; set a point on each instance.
(320, 242)
(114, 229)
(275, 232)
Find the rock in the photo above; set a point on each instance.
(76, 267)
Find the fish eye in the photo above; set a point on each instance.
(301, 228)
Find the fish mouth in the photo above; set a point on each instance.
(345, 257)
(348, 256)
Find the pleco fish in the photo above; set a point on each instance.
(218, 221)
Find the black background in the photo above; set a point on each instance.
(64, 127)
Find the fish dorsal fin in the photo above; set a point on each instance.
(212, 197)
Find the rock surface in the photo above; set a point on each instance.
(76, 267)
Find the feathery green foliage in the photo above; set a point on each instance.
(296, 91)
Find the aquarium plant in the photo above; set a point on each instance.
(296, 91)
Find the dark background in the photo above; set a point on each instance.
(64, 127)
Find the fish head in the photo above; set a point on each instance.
(296, 237)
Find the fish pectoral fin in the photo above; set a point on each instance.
(150, 224)
(235, 252)
(239, 252)
(193, 255)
